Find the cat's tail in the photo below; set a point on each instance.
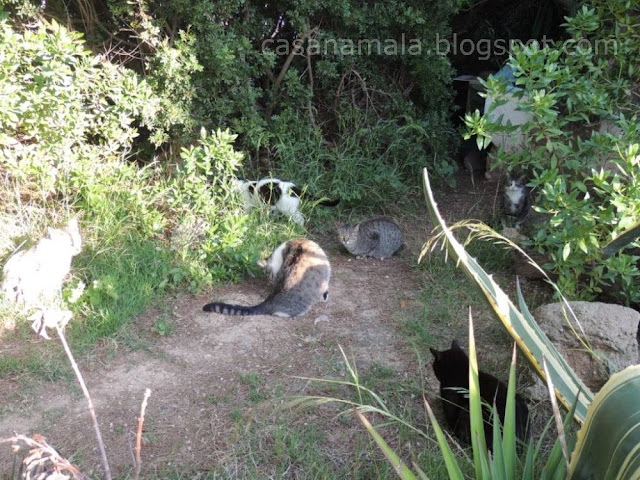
(329, 203)
(227, 309)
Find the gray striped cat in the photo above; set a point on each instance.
(299, 271)
(378, 238)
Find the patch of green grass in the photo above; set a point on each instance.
(255, 384)
(44, 362)
(492, 257)
(177, 473)
(120, 285)
(212, 399)
(163, 327)
(236, 415)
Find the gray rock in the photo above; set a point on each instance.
(610, 330)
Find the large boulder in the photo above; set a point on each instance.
(609, 330)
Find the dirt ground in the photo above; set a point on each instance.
(198, 373)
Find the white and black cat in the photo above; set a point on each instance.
(280, 195)
(517, 199)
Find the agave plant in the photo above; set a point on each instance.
(519, 323)
(608, 442)
(503, 462)
(607, 446)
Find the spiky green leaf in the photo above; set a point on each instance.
(398, 465)
(622, 240)
(453, 469)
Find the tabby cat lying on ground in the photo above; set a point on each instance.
(378, 238)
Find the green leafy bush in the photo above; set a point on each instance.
(581, 146)
(67, 134)
(350, 114)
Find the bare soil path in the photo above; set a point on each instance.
(209, 356)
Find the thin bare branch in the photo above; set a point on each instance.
(143, 407)
(92, 412)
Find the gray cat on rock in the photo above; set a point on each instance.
(378, 238)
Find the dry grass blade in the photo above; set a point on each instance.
(41, 461)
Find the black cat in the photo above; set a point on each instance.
(452, 369)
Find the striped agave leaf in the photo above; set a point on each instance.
(520, 324)
(622, 240)
(609, 441)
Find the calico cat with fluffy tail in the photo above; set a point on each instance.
(281, 196)
(299, 271)
(452, 370)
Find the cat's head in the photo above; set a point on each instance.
(515, 181)
(241, 185)
(69, 234)
(348, 234)
(448, 360)
(273, 263)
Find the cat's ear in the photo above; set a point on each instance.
(522, 179)
(436, 353)
(72, 226)
(455, 345)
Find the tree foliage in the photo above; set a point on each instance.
(306, 86)
(137, 115)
